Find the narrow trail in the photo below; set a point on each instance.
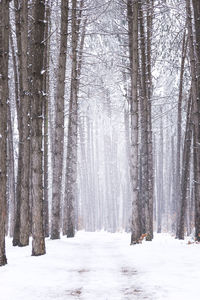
(103, 266)
(91, 266)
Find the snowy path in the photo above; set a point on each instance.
(102, 266)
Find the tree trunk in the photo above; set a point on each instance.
(144, 195)
(150, 4)
(179, 125)
(14, 229)
(4, 94)
(196, 116)
(19, 118)
(185, 170)
(59, 127)
(22, 226)
(38, 243)
(11, 172)
(71, 163)
(46, 122)
(24, 129)
(132, 9)
(196, 9)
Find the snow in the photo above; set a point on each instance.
(103, 266)
(42, 72)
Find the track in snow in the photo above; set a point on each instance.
(91, 266)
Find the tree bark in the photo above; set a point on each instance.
(38, 243)
(59, 127)
(150, 4)
(4, 94)
(179, 134)
(196, 114)
(132, 10)
(11, 172)
(19, 117)
(46, 122)
(160, 205)
(24, 130)
(144, 194)
(185, 170)
(196, 9)
(22, 224)
(71, 163)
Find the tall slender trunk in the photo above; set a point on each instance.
(185, 170)
(196, 9)
(71, 163)
(14, 228)
(144, 193)
(46, 122)
(22, 228)
(59, 127)
(150, 4)
(38, 243)
(196, 117)
(24, 130)
(19, 118)
(160, 205)
(173, 193)
(179, 125)
(11, 172)
(4, 94)
(132, 9)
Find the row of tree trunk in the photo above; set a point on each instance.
(182, 204)
(29, 204)
(140, 14)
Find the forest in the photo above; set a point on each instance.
(99, 126)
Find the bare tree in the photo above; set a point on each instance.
(185, 170)
(196, 9)
(132, 10)
(179, 134)
(59, 126)
(71, 162)
(194, 60)
(46, 119)
(4, 94)
(22, 224)
(38, 244)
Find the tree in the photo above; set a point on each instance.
(144, 180)
(4, 94)
(150, 7)
(46, 119)
(24, 136)
(71, 162)
(132, 10)
(38, 244)
(59, 126)
(196, 113)
(196, 9)
(179, 134)
(185, 169)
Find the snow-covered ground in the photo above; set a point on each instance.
(103, 266)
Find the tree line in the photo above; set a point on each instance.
(50, 167)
